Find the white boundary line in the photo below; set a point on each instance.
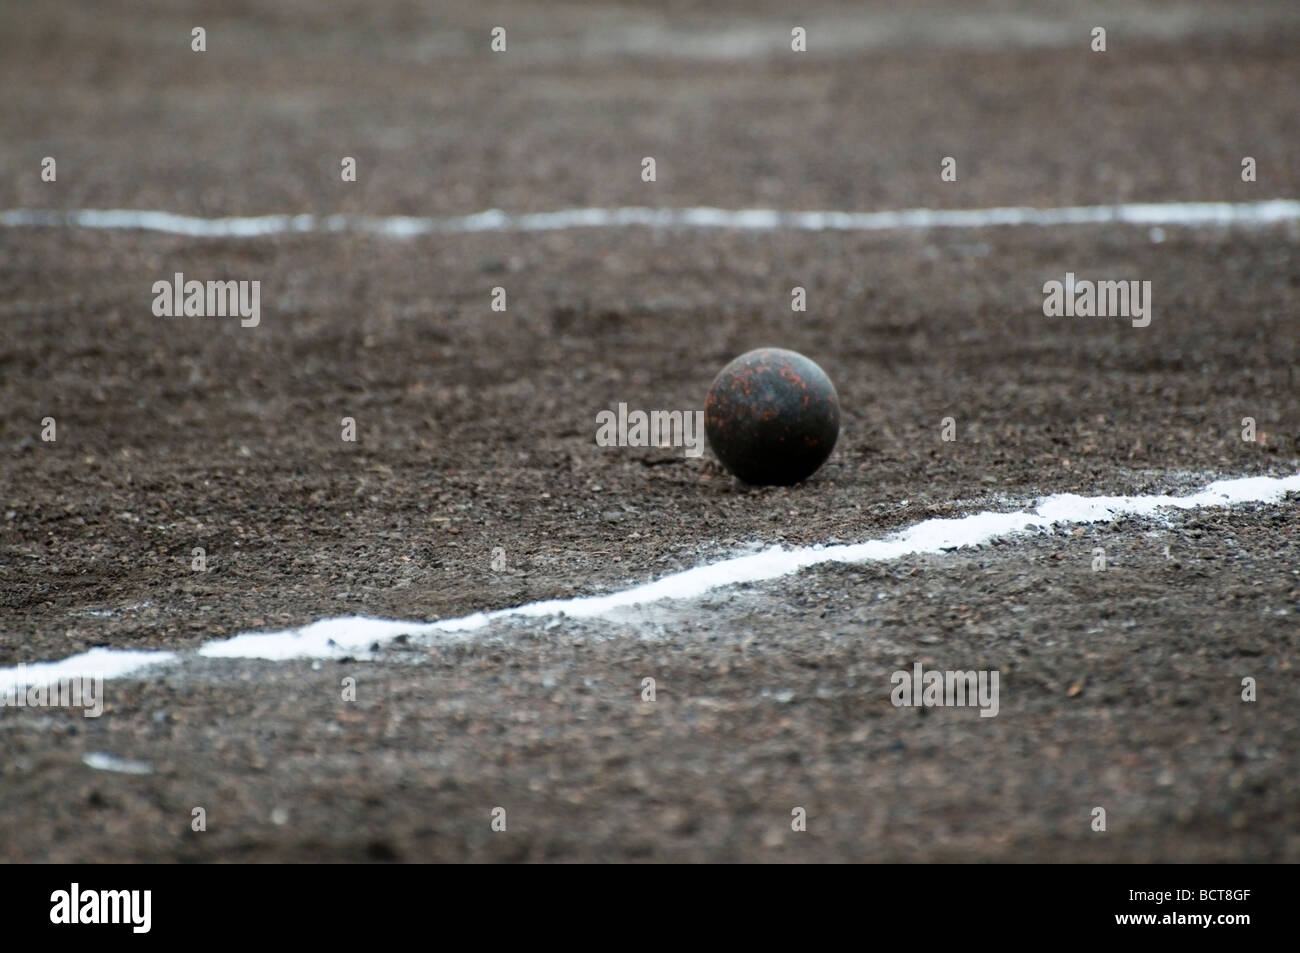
(1193, 214)
(334, 638)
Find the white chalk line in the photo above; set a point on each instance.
(336, 638)
(1191, 214)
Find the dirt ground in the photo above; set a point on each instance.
(475, 432)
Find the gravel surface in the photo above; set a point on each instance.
(476, 438)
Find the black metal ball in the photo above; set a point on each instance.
(772, 417)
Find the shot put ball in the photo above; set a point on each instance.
(772, 417)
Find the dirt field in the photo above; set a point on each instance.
(475, 433)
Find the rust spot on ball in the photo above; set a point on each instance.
(772, 417)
